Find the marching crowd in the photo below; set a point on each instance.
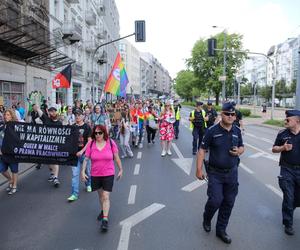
(104, 125)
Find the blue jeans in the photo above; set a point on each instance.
(76, 174)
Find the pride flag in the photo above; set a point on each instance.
(117, 80)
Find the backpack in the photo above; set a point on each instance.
(110, 147)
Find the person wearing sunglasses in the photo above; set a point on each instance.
(102, 151)
(225, 144)
(287, 143)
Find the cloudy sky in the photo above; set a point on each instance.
(173, 26)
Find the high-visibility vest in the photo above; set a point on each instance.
(177, 115)
(193, 116)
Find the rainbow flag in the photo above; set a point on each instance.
(117, 80)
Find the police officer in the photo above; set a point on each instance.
(177, 108)
(238, 118)
(288, 144)
(198, 125)
(211, 113)
(225, 144)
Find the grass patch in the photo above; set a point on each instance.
(254, 116)
(278, 123)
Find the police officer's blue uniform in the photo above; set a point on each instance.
(222, 172)
(289, 179)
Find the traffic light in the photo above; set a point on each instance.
(140, 31)
(212, 45)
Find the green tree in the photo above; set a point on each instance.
(266, 92)
(185, 82)
(209, 69)
(292, 88)
(281, 89)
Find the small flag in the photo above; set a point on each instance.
(117, 80)
(63, 79)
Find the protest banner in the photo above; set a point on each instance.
(35, 143)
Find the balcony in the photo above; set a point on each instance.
(72, 1)
(72, 31)
(90, 17)
(100, 9)
(90, 46)
(102, 35)
(89, 76)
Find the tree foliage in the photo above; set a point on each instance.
(209, 69)
(185, 82)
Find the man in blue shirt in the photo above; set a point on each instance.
(288, 144)
(225, 145)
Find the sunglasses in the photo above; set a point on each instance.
(229, 114)
(287, 120)
(99, 133)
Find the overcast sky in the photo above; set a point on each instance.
(173, 26)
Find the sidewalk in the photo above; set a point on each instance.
(23, 167)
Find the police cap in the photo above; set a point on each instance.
(228, 107)
(199, 103)
(292, 112)
(52, 109)
(209, 103)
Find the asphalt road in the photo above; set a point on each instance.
(157, 205)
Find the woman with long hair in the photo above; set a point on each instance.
(125, 134)
(9, 116)
(166, 130)
(102, 151)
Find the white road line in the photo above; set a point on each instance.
(265, 154)
(137, 169)
(139, 155)
(256, 155)
(176, 149)
(275, 190)
(260, 138)
(132, 194)
(243, 166)
(131, 221)
(194, 185)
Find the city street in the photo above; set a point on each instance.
(158, 204)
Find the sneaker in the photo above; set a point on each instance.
(73, 197)
(123, 156)
(100, 216)
(153, 141)
(51, 178)
(12, 191)
(104, 226)
(131, 156)
(56, 182)
(163, 153)
(89, 189)
(140, 145)
(169, 152)
(9, 187)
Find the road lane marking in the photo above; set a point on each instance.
(134, 219)
(193, 186)
(256, 155)
(137, 169)
(265, 154)
(176, 149)
(184, 163)
(275, 190)
(243, 166)
(260, 138)
(132, 194)
(139, 155)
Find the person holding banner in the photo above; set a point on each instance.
(9, 116)
(84, 136)
(52, 119)
(102, 151)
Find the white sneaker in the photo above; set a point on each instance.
(163, 153)
(169, 152)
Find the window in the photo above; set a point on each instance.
(12, 92)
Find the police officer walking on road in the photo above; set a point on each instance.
(198, 125)
(177, 108)
(288, 144)
(225, 145)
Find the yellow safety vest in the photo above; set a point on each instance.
(193, 116)
(177, 115)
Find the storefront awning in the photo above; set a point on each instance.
(24, 38)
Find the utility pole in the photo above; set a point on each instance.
(224, 68)
(298, 78)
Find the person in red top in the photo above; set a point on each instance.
(102, 151)
(134, 124)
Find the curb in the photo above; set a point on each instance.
(20, 174)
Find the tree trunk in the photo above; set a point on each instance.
(217, 98)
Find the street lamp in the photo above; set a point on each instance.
(224, 59)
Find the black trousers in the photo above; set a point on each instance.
(150, 133)
(176, 128)
(198, 134)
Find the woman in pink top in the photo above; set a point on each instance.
(102, 151)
